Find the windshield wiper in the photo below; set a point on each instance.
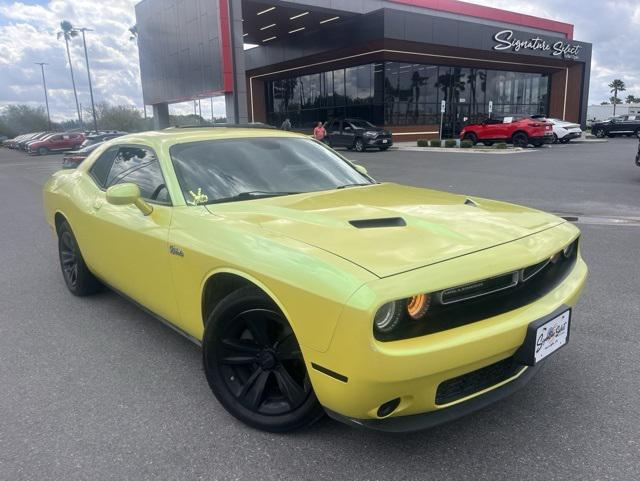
(253, 194)
(353, 185)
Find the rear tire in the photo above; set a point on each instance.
(254, 365)
(80, 281)
(520, 139)
(555, 139)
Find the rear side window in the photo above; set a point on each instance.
(101, 167)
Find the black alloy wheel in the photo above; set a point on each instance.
(254, 364)
(78, 278)
(359, 145)
(471, 137)
(520, 139)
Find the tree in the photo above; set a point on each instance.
(631, 99)
(68, 32)
(21, 119)
(119, 117)
(604, 103)
(615, 101)
(616, 86)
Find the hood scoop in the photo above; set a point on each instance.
(377, 223)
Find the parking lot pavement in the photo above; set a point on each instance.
(96, 389)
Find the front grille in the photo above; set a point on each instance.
(474, 302)
(462, 386)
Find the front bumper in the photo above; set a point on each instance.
(372, 373)
(419, 422)
(378, 141)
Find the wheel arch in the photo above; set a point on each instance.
(222, 282)
(58, 219)
(519, 131)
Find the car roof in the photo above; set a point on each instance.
(171, 136)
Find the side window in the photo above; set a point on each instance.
(101, 167)
(139, 165)
(335, 126)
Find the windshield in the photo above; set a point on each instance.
(213, 171)
(361, 124)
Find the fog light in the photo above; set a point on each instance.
(387, 408)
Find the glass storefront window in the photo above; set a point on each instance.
(402, 93)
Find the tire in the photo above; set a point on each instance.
(43, 151)
(471, 137)
(254, 366)
(520, 139)
(555, 139)
(488, 143)
(358, 145)
(80, 281)
(382, 149)
(600, 133)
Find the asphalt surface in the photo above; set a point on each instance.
(96, 389)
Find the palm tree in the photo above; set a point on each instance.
(68, 32)
(133, 30)
(616, 86)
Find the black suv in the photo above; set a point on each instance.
(357, 134)
(620, 125)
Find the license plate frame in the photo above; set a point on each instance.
(540, 341)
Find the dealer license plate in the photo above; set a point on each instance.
(384, 141)
(551, 336)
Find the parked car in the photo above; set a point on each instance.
(13, 143)
(638, 154)
(563, 131)
(94, 138)
(620, 125)
(357, 134)
(520, 131)
(24, 144)
(73, 158)
(56, 143)
(313, 288)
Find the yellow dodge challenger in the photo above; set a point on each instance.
(311, 287)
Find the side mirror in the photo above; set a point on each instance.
(361, 169)
(127, 194)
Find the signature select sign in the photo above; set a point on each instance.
(505, 41)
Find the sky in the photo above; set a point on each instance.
(28, 34)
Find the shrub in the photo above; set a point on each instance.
(449, 143)
(435, 143)
(423, 143)
(501, 145)
(466, 144)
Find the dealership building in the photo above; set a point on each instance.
(395, 63)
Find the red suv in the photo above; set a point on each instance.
(518, 131)
(56, 143)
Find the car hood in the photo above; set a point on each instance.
(388, 228)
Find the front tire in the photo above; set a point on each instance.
(359, 145)
(43, 151)
(80, 281)
(471, 138)
(254, 365)
(600, 133)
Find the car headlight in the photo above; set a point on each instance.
(392, 315)
(369, 133)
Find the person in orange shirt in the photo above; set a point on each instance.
(319, 133)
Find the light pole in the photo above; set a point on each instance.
(86, 58)
(46, 97)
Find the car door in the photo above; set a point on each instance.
(54, 142)
(333, 132)
(129, 250)
(348, 134)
